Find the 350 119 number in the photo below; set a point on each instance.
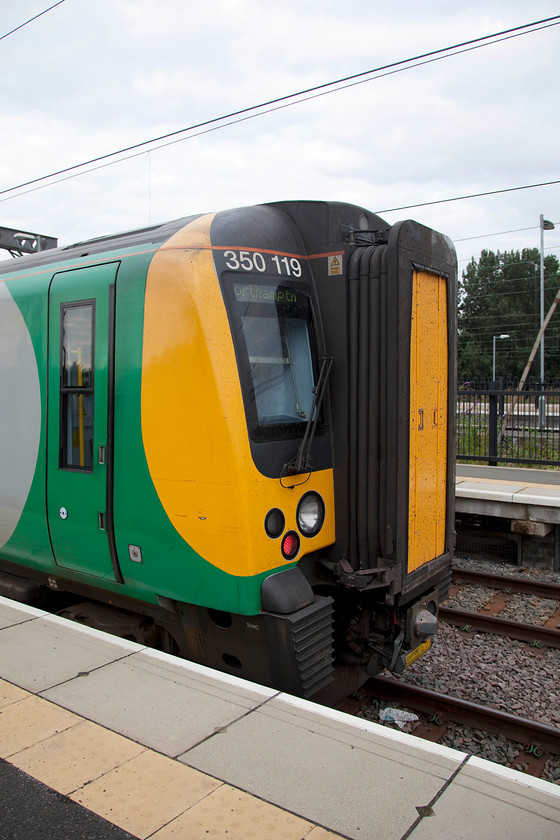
(261, 263)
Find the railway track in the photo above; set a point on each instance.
(500, 734)
(534, 634)
(547, 635)
(506, 583)
(539, 741)
(441, 707)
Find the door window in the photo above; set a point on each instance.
(76, 385)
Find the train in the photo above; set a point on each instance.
(232, 436)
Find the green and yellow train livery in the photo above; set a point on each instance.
(236, 430)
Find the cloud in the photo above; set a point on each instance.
(85, 80)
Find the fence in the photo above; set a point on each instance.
(506, 426)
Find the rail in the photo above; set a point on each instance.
(509, 583)
(532, 633)
(464, 712)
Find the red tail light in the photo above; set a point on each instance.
(290, 545)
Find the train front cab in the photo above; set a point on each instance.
(268, 296)
(232, 351)
(387, 299)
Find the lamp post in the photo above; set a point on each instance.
(544, 224)
(494, 337)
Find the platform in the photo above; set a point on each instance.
(529, 499)
(508, 492)
(163, 748)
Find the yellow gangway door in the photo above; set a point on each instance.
(428, 419)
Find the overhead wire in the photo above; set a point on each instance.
(335, 86)
(296, 98)
(40, 14)
(470, 195)
(503, 233)
(497, 233)
(476, 259)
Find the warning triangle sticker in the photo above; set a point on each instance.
(335, 264)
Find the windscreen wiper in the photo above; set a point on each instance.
(300, 464)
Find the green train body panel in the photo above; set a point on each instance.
(169, 567)
(29, 543)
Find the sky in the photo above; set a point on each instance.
(89, 78)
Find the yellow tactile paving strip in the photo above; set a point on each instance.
(137, 789)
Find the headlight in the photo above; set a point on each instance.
(310, 514)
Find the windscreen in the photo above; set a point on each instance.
(273, 333)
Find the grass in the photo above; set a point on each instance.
(527, 445)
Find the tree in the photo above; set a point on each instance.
(500, 294)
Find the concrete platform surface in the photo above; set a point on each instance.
(135, 743)
(520, 475)
(521, 495)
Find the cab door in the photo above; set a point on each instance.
(80, 420)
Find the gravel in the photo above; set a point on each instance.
(470, 598)
(477, 565)
(492, 670)
(498, 672)
(534, 611)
